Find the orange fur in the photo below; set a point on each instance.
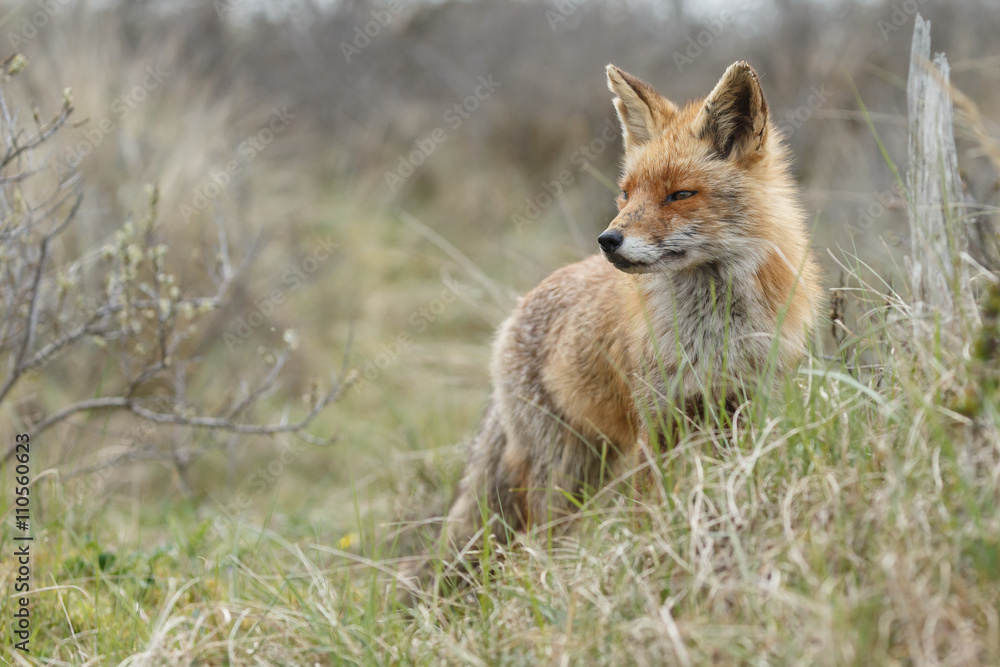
(705, 269)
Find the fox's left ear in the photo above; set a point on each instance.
(734, 116)
(642, 111)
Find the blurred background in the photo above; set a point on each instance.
(394, 175)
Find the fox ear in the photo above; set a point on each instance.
(734, 115)
(641, 110)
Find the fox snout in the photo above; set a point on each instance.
(640, 240)
(631, 254)
(634, 253)
(610, 240)
(615, 242)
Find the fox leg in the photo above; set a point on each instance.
(564, 467)
(523, 471)
(527, 470)
(490, 488)
(493, 485)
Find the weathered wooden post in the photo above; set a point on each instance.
(939, 276)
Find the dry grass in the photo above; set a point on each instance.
(853, 522)
(850, 520)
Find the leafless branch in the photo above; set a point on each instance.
(125, 301)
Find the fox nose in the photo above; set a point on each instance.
(611, 240)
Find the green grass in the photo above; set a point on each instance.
(848, 519)
(851, 521)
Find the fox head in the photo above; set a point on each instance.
(699, 182)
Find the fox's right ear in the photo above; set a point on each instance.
(734, 116)
(642, 111)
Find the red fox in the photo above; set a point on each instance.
(704, 277)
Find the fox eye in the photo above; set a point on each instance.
(679, 195)
(624, 195)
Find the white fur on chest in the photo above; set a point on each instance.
(705, 328)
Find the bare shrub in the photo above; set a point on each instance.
(117, 307)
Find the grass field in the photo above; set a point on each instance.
(851, 521)
(848, 519)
